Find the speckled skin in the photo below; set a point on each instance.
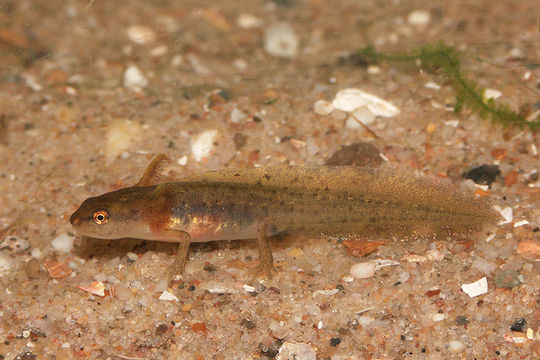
(336, 201)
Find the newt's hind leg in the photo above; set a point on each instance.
(184, 240)
(266, 267)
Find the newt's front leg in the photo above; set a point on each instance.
(266, 267)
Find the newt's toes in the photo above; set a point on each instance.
(265, 272)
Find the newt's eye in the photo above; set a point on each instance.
(101, 217)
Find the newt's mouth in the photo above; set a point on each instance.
(75, 220)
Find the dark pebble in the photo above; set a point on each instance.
(461, 320)
(248, 324)
(191, 288)
(27, 355)
(210, 268)
(239, 140)
(32, 269)
(161, 329)
(335, 341)
(272, 350)
(519, 325)
(358, 154)
(483, 175)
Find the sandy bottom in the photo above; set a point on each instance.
(91, 91)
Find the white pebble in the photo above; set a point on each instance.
(121, 134)
(438, 317)
(134, 78)
(352, 123)
(296, 351)
(507, 213)
(177, 60)
(140, 34)
(248, 288)
(36, 253)
(183, 160)
(456, 346)
(476, 288)
(63, 243)
(364, 115)
(322, 107)
(521, 223)
(203, 144)
(432, 85)
(326, 292)
(159, 51)
(492, 94)
(132, 256)
(351, 99)
(280, 40)
(419, 17)
(6, 264)
(167, 296)
(363, 270)
(365, 320)
(248, 21)
(237, 115)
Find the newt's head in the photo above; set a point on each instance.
(112, 215)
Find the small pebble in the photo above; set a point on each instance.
(121, 134)
(239, 140)
(363, 270)
(203, 144)
(296, 351)
(507, 279)
(352, 123)
(248, 21)
(476, 288)
(132, 257)
(438, 317)
(134, 78)
(507, 214)
(36, 253)
(349, 100)
(483, 175)
(6, 264)
(365, 320)
(456, 346)
(419, 17)
(461, 320)
(357, 154)
(237, 115)
(519, 325)
(140, 34)
(492, 94)
(364, 115)
(95, 288)
(167, 296)
(63, 243)
(33, 268)
(335, 341)
(322, 107)
(281, 41)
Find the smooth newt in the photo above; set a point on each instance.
(234, 204)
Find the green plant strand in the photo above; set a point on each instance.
(443, 58)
